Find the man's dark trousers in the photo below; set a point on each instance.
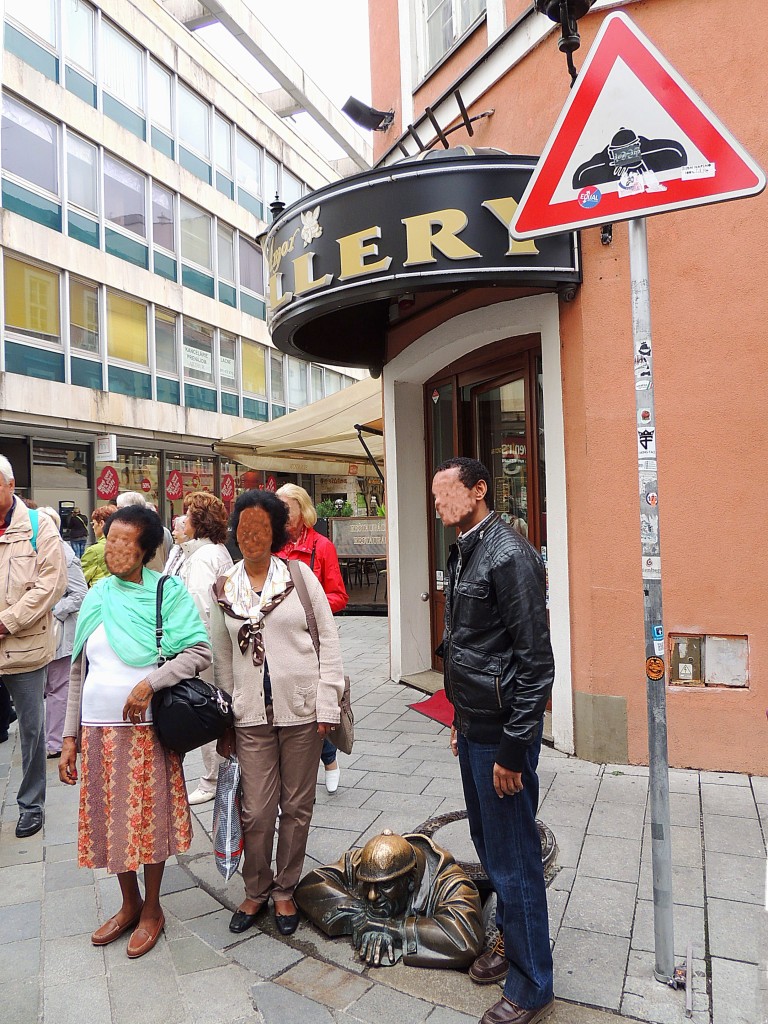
(507, 842)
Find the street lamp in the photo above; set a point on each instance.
(567, 14)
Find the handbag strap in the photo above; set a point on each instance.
(301, 589)
(159, 620)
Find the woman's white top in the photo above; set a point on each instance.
(107, 683)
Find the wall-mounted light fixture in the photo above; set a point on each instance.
(566, 13)
(370, 118)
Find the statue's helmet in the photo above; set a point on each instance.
(385, 857)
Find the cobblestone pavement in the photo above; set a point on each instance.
(401, 772)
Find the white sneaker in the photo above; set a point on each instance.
(332, 779)
(200, 796)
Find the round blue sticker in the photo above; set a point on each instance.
(589, 197)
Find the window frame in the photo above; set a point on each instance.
(127, 232)
(105, 25)
(423, 67)
(208, 270)
(33, 186)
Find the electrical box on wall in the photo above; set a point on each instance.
(709, 661)
(686, 660)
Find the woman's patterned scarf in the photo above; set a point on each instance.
(236, 597)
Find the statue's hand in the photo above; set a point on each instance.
(377, 939)
(353, 912)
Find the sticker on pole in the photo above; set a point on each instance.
(654, 668)
(632, 140)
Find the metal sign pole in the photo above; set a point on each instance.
(661, 840)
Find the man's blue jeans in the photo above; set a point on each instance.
(508, 845)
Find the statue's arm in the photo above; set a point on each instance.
(452, 935)
(324, 896)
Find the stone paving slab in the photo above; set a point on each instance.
(598, 905)
(325, 984)
(739, 993)
(610, 858)
(721, 836)
(589, 967)
(737, 931)
(688, 923)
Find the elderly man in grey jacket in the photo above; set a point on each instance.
(32, 579)
(65, 620)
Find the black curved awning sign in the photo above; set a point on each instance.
(339, 257)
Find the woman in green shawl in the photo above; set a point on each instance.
(133, 801)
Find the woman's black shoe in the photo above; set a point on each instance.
(287, 923)
(242, 922)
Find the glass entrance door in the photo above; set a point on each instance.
(496, 417)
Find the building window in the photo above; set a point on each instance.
(82, 174)
(297, 382)
(162, 218)
(160, 97)
(254, 367)
(333, 382)
(31, 301)
(444, 21)
(225, 240)
(194, 122)
(39, 17)
(122, 64)
(271, 179)
(291, 188)
(317, 383)
(126, 329)
(228, 361)
(223, 145)
(83, 315)
(78, 38)
(251, 267)
(198, 351)
(165, 342)
(29, 145)
(248, 173)
(124, 197)
(195, 235)
(277, 385)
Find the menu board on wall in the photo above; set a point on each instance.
(359, 538)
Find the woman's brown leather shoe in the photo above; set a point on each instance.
(112, 929)
(143, 940)
(491, 966)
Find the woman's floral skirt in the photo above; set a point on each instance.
(133, 801)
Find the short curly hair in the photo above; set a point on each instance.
(207, 515)
(102, 513)
(147, 522)
(276, 509)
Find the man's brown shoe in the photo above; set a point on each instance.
(490, 966)
(112, 929)
(506, 1012)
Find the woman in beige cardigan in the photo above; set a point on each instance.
(285, 701)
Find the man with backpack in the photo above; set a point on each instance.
(32, 579)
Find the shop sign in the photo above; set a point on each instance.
(227, 487)
(352, 470)
(107, 484)
(270, 484)
(174, 486)
(414, 226)
(146, 485)
(197, 359)
(106, 447)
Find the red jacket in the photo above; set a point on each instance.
(325, 565)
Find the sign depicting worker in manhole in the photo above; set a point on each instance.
(633, 139)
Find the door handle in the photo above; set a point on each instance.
(424, 596)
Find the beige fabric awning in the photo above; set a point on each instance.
(320, 438)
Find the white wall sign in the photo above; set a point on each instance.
(197, 359)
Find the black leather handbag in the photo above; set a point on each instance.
(192, 712)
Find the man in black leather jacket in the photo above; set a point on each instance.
(499, 671)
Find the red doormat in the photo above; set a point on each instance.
(437, 707)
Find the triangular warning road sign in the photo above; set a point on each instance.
(633, 139)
